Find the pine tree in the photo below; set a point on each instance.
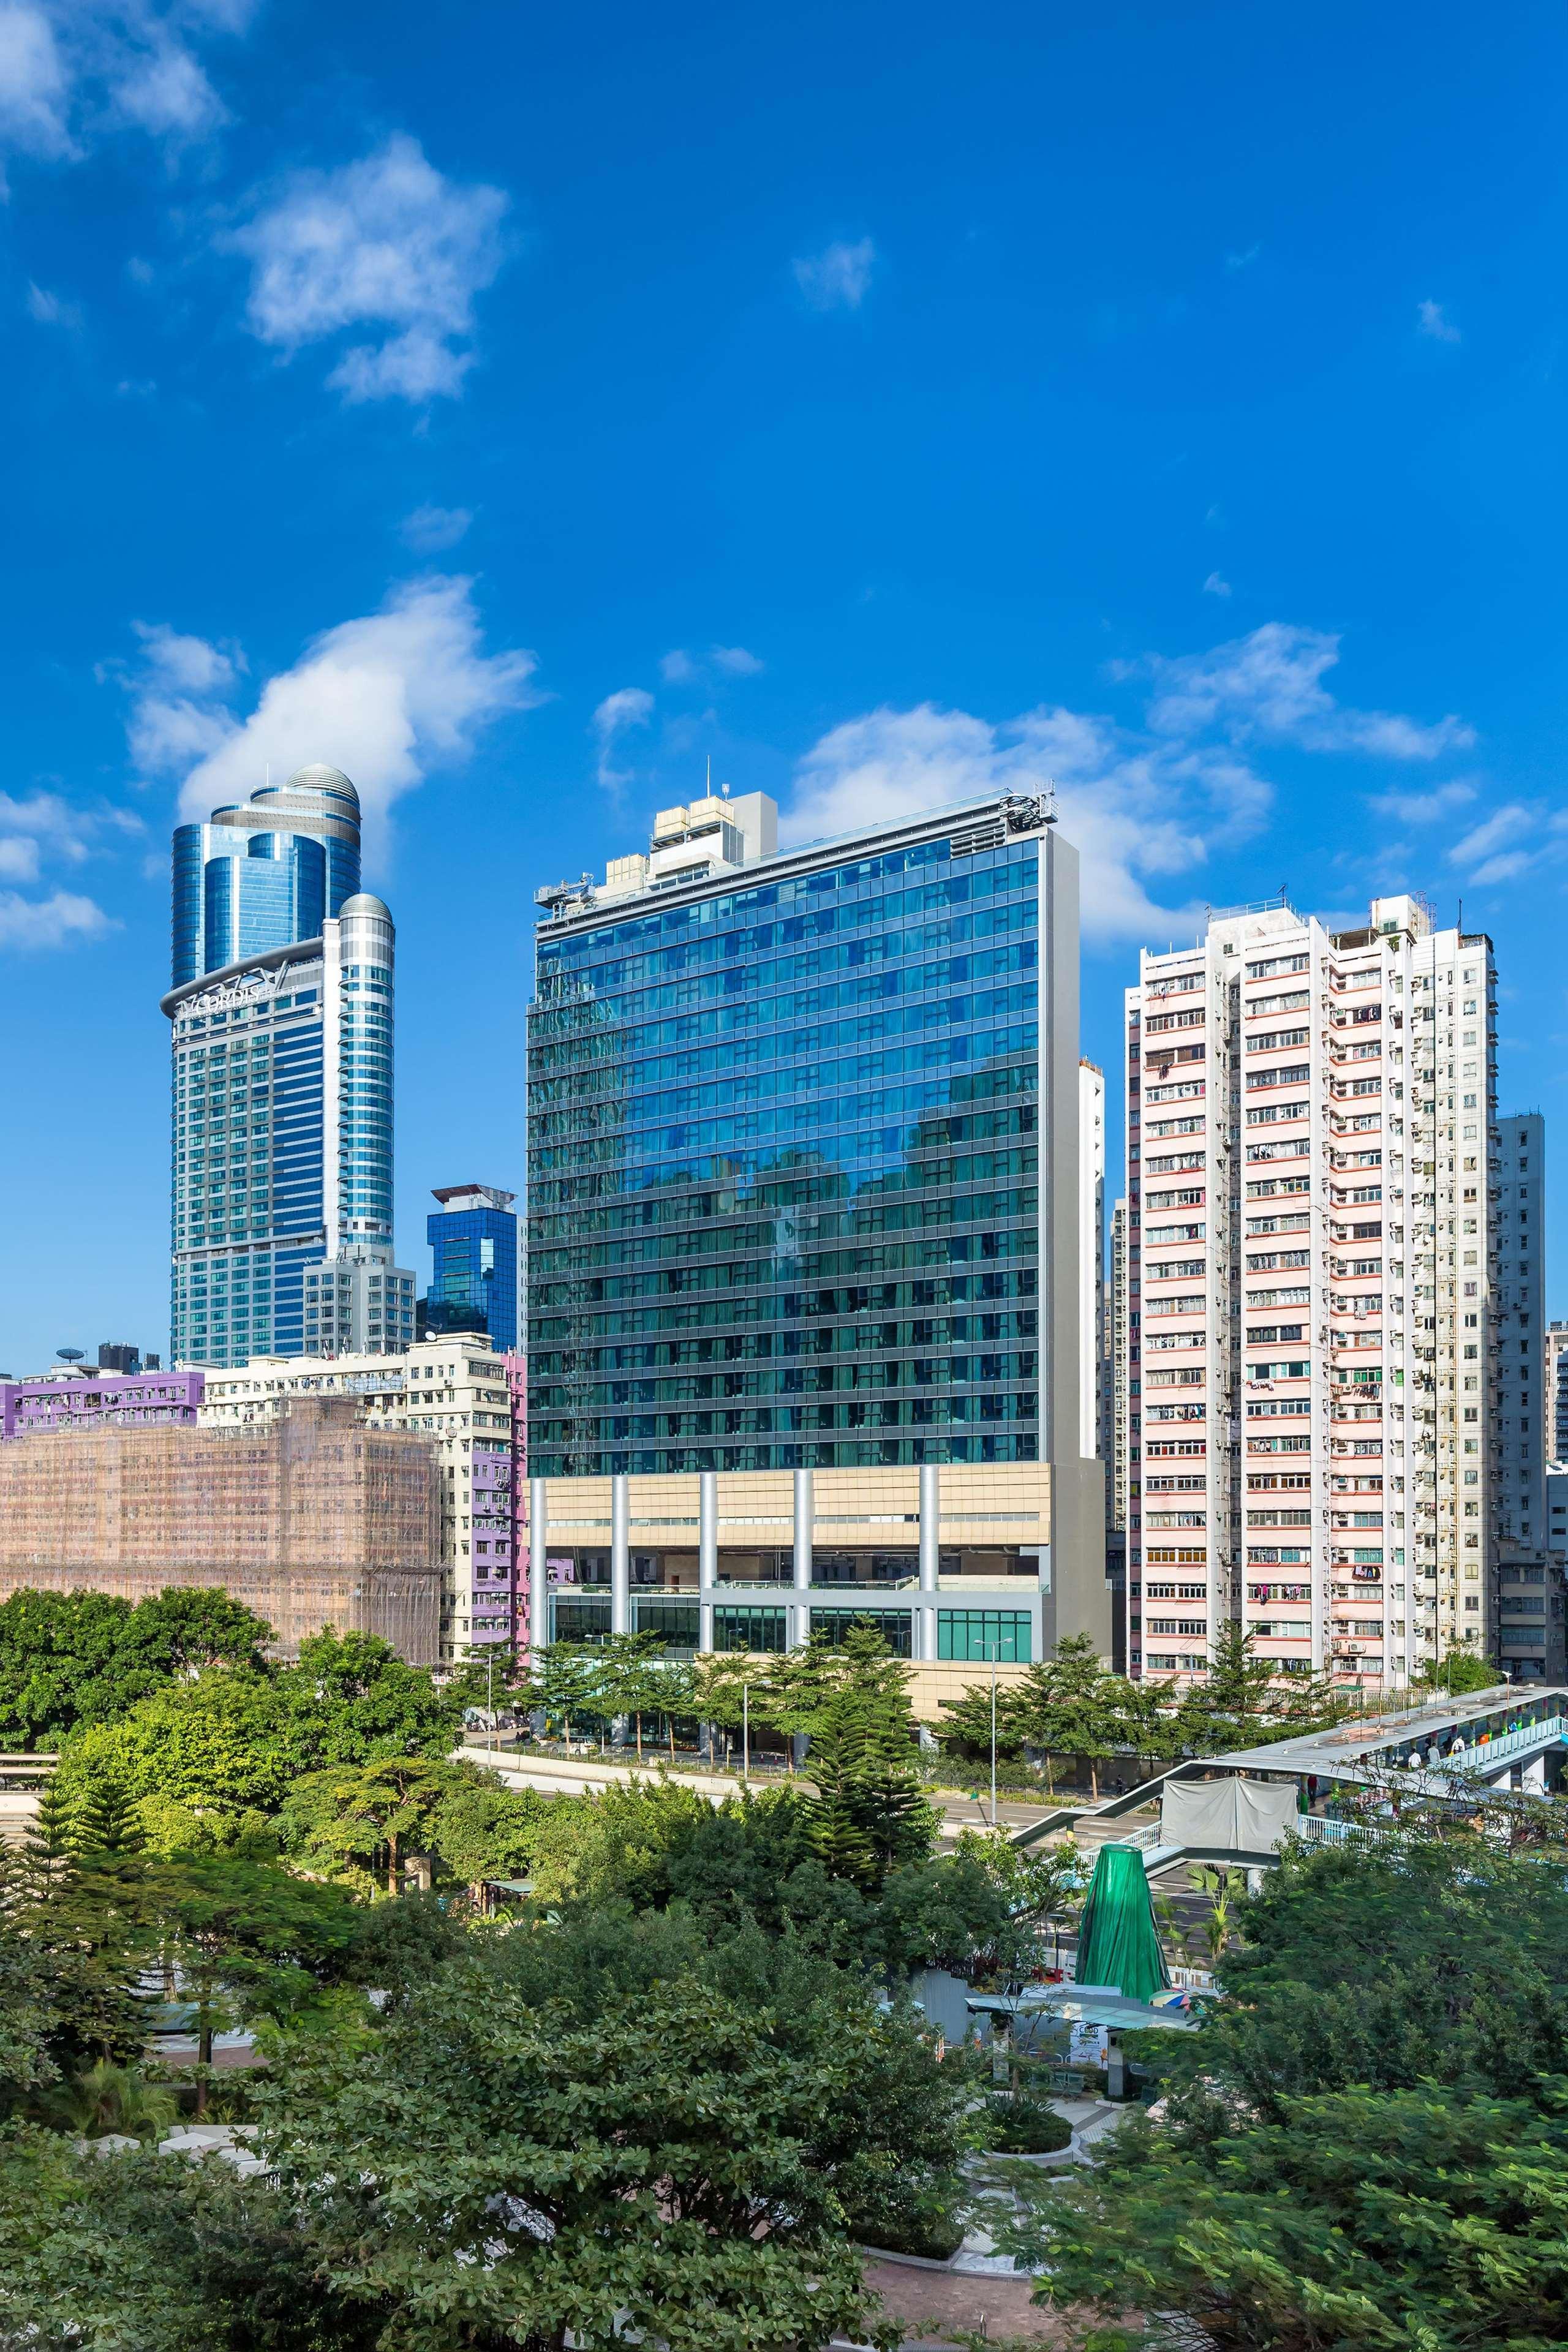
(50, 1847)
(107, 1820)
(869, 1815)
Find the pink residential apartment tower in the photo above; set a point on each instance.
(1314, 1309)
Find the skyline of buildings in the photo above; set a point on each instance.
(817, 1191)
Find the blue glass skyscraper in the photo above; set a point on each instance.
(803, 1254)
(473, 1240)
(282, 1018)
(265, 873)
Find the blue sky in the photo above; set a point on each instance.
(518, 406)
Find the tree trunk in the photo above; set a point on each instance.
(203, 2049)
(1094, 1781)
(637, 1718)
(671, 1722)
(1050, 1777)
(566, 1722)
(391, 1865)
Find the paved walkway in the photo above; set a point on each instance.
(929, 2303)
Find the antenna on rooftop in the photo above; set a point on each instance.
(709, 787)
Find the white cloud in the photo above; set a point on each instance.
(1504, 844)
(1144, 805)
(1270, 685)
(1214, 587)
(1134, 810)
(629, 706)
(431, 530)
(1431, 319)
(1245, 258)
(1425, 806)
(838, 278)
(188, 662)
(387, 244)
(48, 922)
(49, 308)
(166, 92)
(682, 669)
(46, 827)
(44, 818)
(34, 82)
(71, 71)
(386, 698)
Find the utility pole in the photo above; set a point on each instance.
(745, 1731)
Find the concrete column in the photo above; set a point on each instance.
(620, 1555)
(930, 1559)
(1534, 1777)
(538, 1575)
(707, 1552)
(804, 1513)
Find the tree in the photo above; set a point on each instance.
(371, 1815)
(1460, 1671)
(199, 1757)
(1219, 1885)
(1390, 1962)
(110, 2098)
(106, 1822)
(482, 1830)
(967, 1726)
(734, 1688)
(1068, 1705)
(869, 1812)
(49, 1844)
(1365, 2145)
(1357, 2220)
(188, 1628)
(564, 1681)
(622, 2130)
(1237, 1701)
(145, 2254)
(631, 1677)
(250, 1940)
(351, 1698)
(70, 1659)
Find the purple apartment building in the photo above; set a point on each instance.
(97, 1399)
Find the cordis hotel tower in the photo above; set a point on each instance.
(281, 1020)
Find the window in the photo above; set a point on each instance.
(983, 1633)
(678, 1620)
(750, 1629)
(895, 1626)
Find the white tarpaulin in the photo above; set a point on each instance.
(1232, 1815)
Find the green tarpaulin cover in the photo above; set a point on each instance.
(1118, 1943)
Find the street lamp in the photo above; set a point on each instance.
(991, 1640)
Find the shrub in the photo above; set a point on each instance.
(1024, 2126)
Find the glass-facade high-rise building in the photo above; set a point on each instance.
(281, 1022)
(475, 1245)
(803, 1214)
(265, 872)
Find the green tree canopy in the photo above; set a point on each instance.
(1365, 2145)
(1460, 1671)
(72, 1658)
(618, 2128)
(236, 1741)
